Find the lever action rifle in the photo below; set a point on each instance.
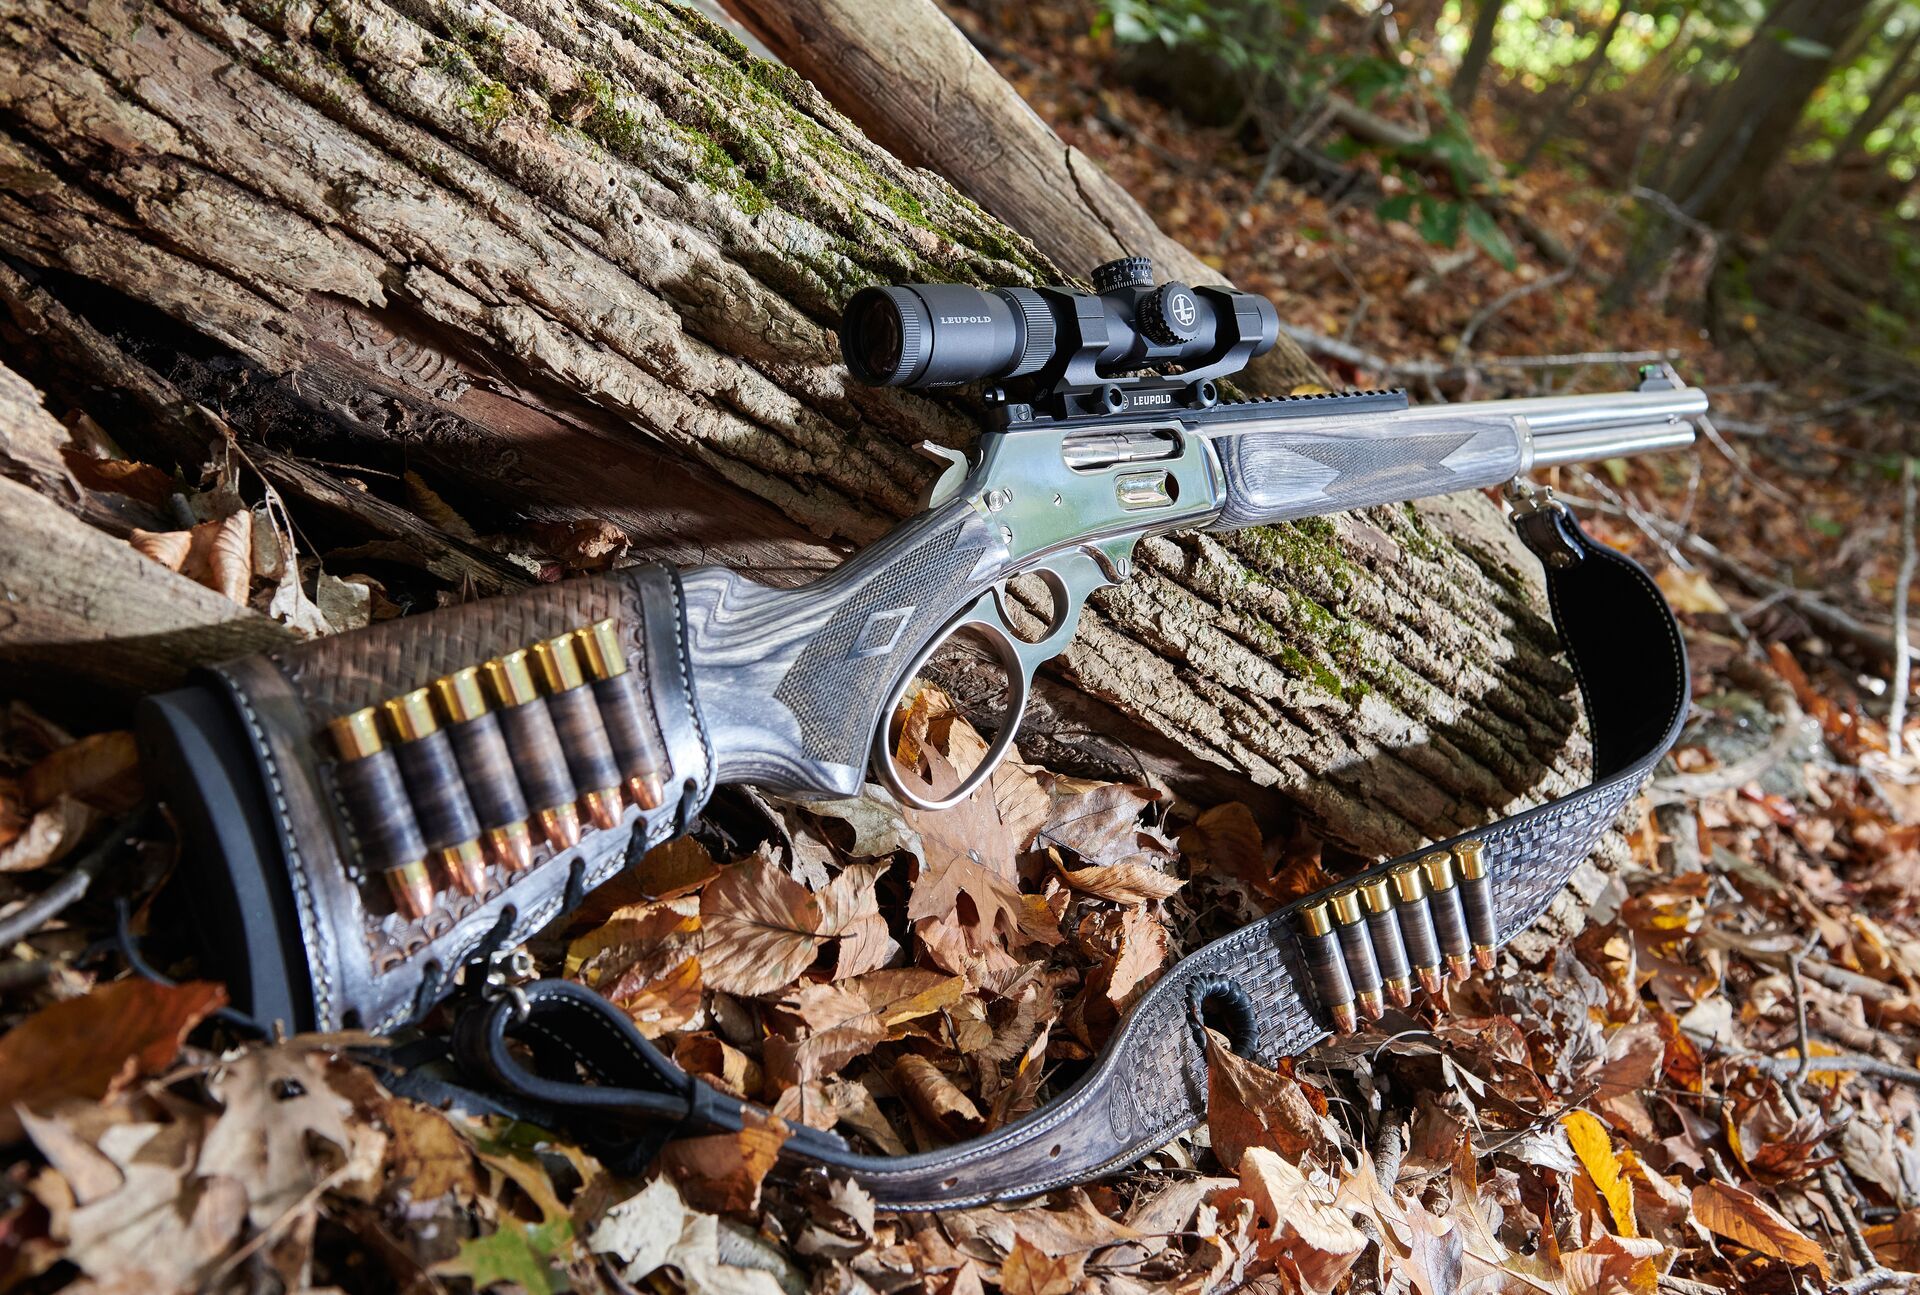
(374, 814)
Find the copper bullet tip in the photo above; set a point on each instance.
(1371, 1005)
(412, 889)
(603, 807)
(646, 791)
(1483, 955)
(1344, 1019)
(511, 846)
(1400, 992)
(1460, 965)
(1432, 981)
(561, 826)
(466, 865)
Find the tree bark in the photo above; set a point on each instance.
(580, 261)
(1473, 64)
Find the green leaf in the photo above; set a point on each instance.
(1825, 526)
(1439, 221)
(1617, 469)
(521, 1253)
(1489, 237)
(1398, 207)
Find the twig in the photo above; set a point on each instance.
(1389, 1153)
(1844, 1063)
(1902, 658)
(1864, 1258)
(1740, 465)
(67, 891)
(1654, 528)
(1361, 358)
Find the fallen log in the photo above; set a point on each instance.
(582, 262)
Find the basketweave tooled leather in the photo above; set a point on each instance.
(368, 962)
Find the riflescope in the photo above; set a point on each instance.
(946, 334)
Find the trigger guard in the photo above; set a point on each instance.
(988, 616)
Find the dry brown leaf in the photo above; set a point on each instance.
(1249, 1105)
(1689, 591)
(102, 769)
(1316, 1232)
(679, 867)
(1028, 1270)
(48, 836)
(140, 481)
(933, 1096)
(1124, 883)
(850, 915)
(1226, 841)
(426, 501)
(718, 1062)
(654, 1229)
(161, 1229)
(278, 1107)
(723, 1171)
(168, 548)
(228, 556)
(217, 554)
(848, 1018)
(1142, 952)
(1611, 1265)
(428, 1153)
(646, 959)
(1097, 823)
(761, 928)
(1742, 1217)
(97, 1044)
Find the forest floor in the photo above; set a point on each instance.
(1713, 1088)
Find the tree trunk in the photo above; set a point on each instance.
(1745, 129)
(578, 262)
(1466, 81)
(1753, 122)
(1892, 89)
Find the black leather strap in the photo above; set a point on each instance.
(584, 1057)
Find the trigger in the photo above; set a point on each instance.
(948, 484)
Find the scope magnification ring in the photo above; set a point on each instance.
(1036, 327)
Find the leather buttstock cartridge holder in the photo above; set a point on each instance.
(361, 812)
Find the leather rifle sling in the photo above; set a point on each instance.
(1149, 1084)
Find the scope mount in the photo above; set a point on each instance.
(1074, 388)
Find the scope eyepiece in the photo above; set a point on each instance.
(946, 334)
